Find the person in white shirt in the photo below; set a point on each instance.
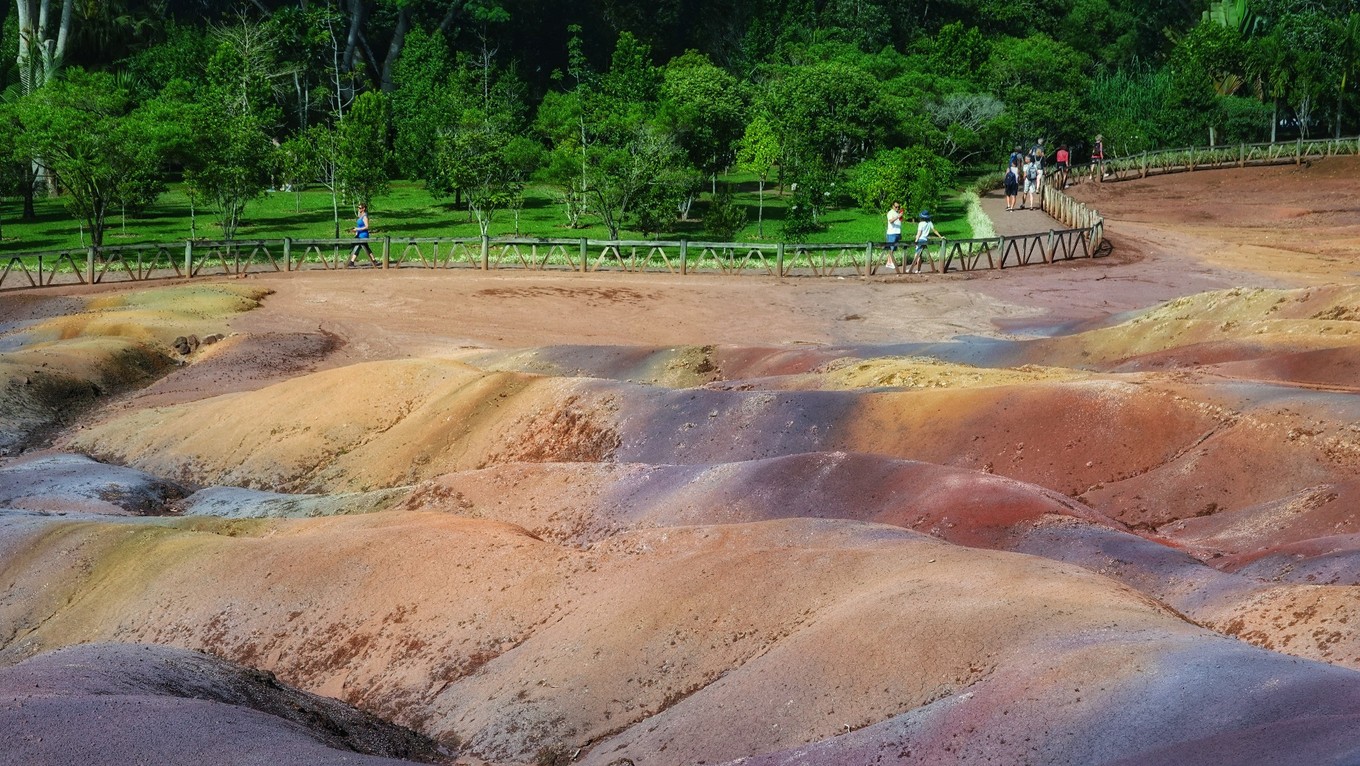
(894, 233)
(923, 231)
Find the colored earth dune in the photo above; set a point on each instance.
(1105, 512)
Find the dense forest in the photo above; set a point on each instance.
(632, 110)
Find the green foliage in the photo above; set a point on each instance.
(642, 178)
(426, 100)
(364, 164)
(83, 127)
(703, 106)
(487, 164)
(1134, 110)
(182, 55)
(958, 52)
(828, 116)
(913, 176)
(1042, 82)
(631, 77)
(233, 158)
(725, 217)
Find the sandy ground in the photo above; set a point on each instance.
(640, 519)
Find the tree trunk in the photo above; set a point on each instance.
(356, 22)
(1274, 119)
(27, 190)
(1339, 103)
(40, 56)
(760, 212)
(394, 50)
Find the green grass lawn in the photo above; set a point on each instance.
(407, 210)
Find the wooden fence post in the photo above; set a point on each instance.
(387, 250)
(287, 253)
(188, 258)
(1298, 152)
(779, 260)
(1143, 172)
(585, 256)
(486, 253)
(684, 256)
(89, 263)
(868, 259)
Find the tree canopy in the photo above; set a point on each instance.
(633, 110)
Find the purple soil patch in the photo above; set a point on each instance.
(116, 704)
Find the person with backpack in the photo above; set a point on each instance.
(1061, 160)
(1012, 184)
(1098, 158)
(1031, 171)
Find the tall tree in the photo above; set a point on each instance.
(703, 106)
(42, 41)
(86, 130)
(758, 152)
(365, 160)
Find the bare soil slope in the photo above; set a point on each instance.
(1098, 512)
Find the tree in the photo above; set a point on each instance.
(967, 122)
(644, 176)
(232, 164)
(87, 133)
(489, 165)
(365, 159)
(913, 176)
(426, 100)
(1209, 63)
(1042, 82)
(829, 116)
(725, 217)
(704, 108)
(42, 48)
(757, 153)
(322, 150)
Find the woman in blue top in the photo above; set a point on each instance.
(361, 233)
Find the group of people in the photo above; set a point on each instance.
(925, 228)
(1026, 171)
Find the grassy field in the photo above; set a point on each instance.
(409, 211)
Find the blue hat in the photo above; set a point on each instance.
(925, 215)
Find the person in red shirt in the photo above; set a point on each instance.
(1061, 160)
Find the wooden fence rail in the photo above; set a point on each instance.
(136, 263)
(1190, 159)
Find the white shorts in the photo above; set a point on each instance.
(1031, 186)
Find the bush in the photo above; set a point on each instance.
(725, 217)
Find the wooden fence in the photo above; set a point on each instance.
(135, 263)
(1206, 158)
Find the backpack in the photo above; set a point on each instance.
(1010, 176)
(1032, 171)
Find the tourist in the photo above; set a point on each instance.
(1098, 158)
(923, 231)
(894, 234)
(1060, 163)
(1031, 171)
(360, 233)
(1012, 185)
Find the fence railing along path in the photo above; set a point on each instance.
(1190, 159)
(136, 263)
